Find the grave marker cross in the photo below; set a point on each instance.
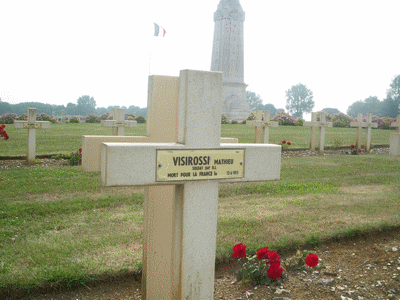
(359, 124)
(394, 146)
(31, 125)
(194, 165)
(369, 124)
(118, 123)
(262, 123)
(321, 124)
(396, 124)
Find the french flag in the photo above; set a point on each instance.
(157, 31)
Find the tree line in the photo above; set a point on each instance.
(299, 100)
(85, 105)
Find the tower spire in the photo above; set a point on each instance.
(229, 9)
(228, 57)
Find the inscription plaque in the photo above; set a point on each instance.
(204, 164)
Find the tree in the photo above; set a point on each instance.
(331, 111)
(86, 105)
(389, 108)
(71, 109)
(299, 100)
(394, 94)
(254, 100)
(370, 105)
(271, 108)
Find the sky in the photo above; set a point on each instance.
(56, 51)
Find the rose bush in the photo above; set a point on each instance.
(3, 133)
(285, 145)
(302, 259)
(8, 118)
(354, 151)
(261, 268)
(76, 158)
(284, 118)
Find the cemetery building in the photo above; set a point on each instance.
(228, 57)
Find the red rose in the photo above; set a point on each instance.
(312, 260)
(239, 250)
(284, 142)
(262, 253)
(275, 272)
(359, 150)
(352, 146)
(274, 258)
(6, 137)
(2, 126)
(289, 143)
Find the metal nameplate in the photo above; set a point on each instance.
(204, 164)
(121, 124)
(32, 125)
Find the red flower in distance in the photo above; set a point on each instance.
(1, 179)
(284, 142)
(359, 150)
(274, 273)
(312, 260)
(289, 143)
(239, 250)
(262, 253)
(352, 146)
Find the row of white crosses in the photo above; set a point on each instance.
(262, 123)
(31, 125)
(194, 166)
(118, 123)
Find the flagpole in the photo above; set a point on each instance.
(150, 63)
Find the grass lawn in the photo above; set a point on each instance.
(59, 226)
(67, 138)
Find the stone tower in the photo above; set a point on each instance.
(228, 57)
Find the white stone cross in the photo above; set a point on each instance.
(118, 123)
(195, 165)
(31, 125)
(360, 125)
(321, 124)
(262, 123)
(394, 144)
(396, 124)
(369, 124)
(159, 201)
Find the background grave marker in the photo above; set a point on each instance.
(262, 123)
(31, 125)
(359, 124)
(118, 123)
(321, 124)
(369, 124)
(195, 216)
(394, 145)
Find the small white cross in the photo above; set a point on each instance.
(118, 123)
(262, 123)
(31, 125)
(321, 124)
